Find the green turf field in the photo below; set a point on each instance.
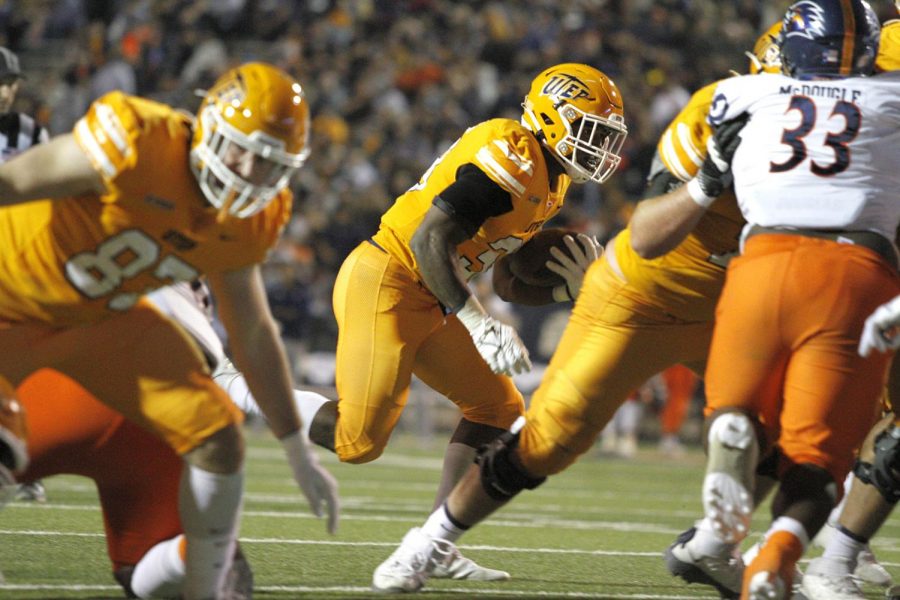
(596, 531)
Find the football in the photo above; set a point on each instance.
(528, 262)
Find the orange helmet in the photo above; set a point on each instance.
(254, 113)
(766, 57)
(577, 113)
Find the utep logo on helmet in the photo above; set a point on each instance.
(233, 90)
(806, 19)
(565, 86)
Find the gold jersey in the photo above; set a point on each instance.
(686, 282)
(511, 156)
(74, 260)
(888, 58)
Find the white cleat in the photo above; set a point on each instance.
(830, 579)
(725, 573)
(728, 505)
(32, 491)
(730, 472)
(766, 586)
(408, 568)
(870, 571)
(453, 565)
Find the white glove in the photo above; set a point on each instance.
(317, 484)
(498, 344)
(879, 332)
(572, 268)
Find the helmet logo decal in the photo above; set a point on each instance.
(233, 91)
(565, 86)
(805, 19)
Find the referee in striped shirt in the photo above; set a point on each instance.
(18, 131)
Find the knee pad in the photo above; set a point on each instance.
(502, 477)
(885, 467)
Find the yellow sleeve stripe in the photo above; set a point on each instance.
(506, 179)
(95, 152)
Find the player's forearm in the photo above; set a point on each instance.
(659, 224)
(264, 365)
(436, 258)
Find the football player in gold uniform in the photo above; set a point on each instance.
(402, 301)
(138, 196)
(633, 318)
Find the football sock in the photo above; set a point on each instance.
(443, 526)
(160, 572)
(209, 504)
(785, 543)
(843, 548)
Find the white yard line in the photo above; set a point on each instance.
(468, 591)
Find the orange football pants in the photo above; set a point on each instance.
(138, 362)
(614, 342)
(785, 345)
(136, 473)
(389, 328)
(680, 385)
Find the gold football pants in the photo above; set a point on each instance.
(389, 328)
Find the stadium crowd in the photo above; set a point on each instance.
(391, 84)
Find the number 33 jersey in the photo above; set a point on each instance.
(75, 260)
(821, 154)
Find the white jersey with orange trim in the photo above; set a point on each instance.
(821, 154)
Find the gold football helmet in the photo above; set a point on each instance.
(766, 57)
(577, 113)
(251, 134)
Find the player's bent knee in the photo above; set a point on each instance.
(884, 473)
(360, 456)
(222, 452)
(502, 475)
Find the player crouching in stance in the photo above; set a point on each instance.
(137, 197)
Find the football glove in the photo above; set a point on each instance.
(498, 344)
(715, 173)
(880, 331)
(317, 484)
(572, 268)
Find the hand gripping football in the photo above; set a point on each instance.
(528, 263)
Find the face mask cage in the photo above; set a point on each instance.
(590, 150)
(221, 144)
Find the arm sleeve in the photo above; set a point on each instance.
(473, 198)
